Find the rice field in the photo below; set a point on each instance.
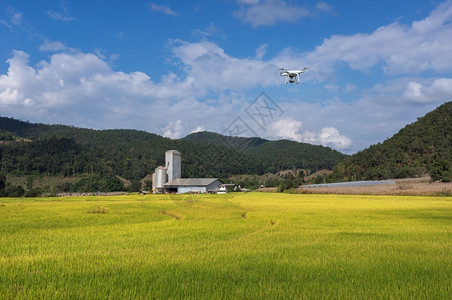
(245, 246)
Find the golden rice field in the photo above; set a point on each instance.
(241, 246)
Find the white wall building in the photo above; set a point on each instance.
(168, 178)
(193, 185)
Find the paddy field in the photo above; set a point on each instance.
(242, 246)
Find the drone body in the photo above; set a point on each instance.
(291, 76)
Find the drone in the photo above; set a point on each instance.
(291, 75)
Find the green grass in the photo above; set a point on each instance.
(247, 246)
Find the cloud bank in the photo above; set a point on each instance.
(213, 87)
(269, 12)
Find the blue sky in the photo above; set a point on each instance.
(176, 67)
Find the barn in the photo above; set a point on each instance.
(167, 179)
(192, 185)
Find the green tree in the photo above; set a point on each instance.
(291, 182)
(441, 170)
(2, 181)
(29, 182)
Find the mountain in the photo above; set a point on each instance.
(409, 153)
(240, 144)
(276, 155)
(30, 149)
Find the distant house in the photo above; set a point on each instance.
(192, 185)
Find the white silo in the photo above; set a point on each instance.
(160, 177)
(154, 181)
(173, 162)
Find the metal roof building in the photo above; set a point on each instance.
(168, 179)
(186, 185)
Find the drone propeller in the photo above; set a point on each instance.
(285, 69)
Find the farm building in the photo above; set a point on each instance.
(193, 185)
(168, 179)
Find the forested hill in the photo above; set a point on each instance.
(31, 149)
(410, 152)
(278, 155)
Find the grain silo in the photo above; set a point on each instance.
(173, 162)
(159, 178)
(168, 179)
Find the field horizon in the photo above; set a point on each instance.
(254, 245)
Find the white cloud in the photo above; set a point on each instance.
(63, 15)
(269, 12)
(163, 9)
(330, 136)
(209, 67)
(174, 129)
(286, 129)
(54, 46)
(6, 24)
(292, 129)
(425, 45)
(65, 80)
(324, 7)
(16, 18)
(439, 90)
(203, 34)
(248, 2)
(413, 92)
(261, 50)
(81, 89)
(198, 129)
(407, 90)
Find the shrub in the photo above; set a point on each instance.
(441, 170)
